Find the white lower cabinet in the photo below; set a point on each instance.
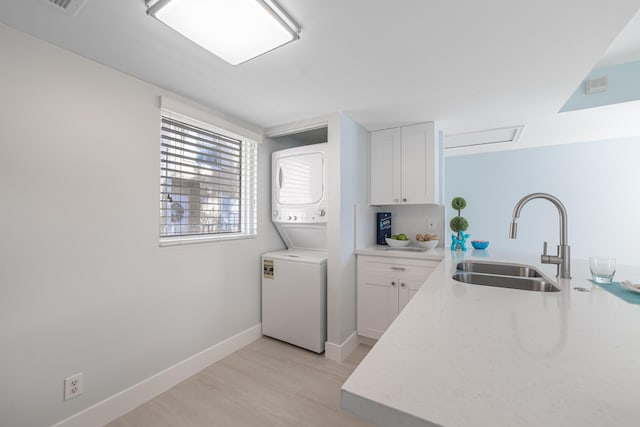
(385, 286)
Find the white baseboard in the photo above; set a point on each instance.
(339, 352)
(366, 340)
(121, 403)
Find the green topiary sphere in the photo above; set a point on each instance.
(458, 203)
(459, 223)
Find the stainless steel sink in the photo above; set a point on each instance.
(513, 282)
(503, 275)
(499, 269)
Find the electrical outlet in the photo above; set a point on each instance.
(431, 224)
(73, 386)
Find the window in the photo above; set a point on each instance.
(207, 182)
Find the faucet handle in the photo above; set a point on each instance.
(544, 248)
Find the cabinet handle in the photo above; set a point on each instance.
(398, 268)
(402, 284)
(404, 200)
(393, 283)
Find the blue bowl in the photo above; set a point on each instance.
(479, 244)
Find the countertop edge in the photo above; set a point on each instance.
(436, 254)
(377, 413)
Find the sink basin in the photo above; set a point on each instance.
(503, 275)
(499, 269)
(513, 282)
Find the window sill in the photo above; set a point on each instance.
(189, 240)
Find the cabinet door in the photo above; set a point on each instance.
(407, 288)
(380, 291)
(384, 167)
(420, 159)
(377, 304)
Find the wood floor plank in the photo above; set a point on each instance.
(267, 383)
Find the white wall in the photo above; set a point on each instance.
(412, 219)
(348, 186)
(84, 286)
(596, 181)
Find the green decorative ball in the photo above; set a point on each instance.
(458, 203)
(459, 224)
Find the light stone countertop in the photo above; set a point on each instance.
(469, 355)
(382, 250)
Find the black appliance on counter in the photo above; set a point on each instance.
(383, 227)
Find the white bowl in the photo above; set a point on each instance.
(429, 244)
(397, 243)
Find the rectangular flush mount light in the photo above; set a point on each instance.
(482, 137)
(234, 30)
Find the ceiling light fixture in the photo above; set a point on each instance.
(234, 30)
(482, 137)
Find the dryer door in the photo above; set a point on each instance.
(299, 179)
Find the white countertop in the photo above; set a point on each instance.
(470, 355)
(382, 250)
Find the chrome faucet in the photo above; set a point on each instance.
(562, 259)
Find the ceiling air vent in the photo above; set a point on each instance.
(596, 85)
(72, 7)
(482, 137)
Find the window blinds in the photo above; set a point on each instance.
(207, 182)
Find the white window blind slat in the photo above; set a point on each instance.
(208, 181)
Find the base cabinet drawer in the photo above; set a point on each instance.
(385, 286)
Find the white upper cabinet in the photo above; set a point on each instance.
(420, 164)
(385, 166)
(405, 165)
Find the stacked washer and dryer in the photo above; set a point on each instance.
(294, 281)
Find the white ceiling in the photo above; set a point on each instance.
(626, 47)
(469, 65)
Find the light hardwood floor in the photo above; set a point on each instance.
(267, 383)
